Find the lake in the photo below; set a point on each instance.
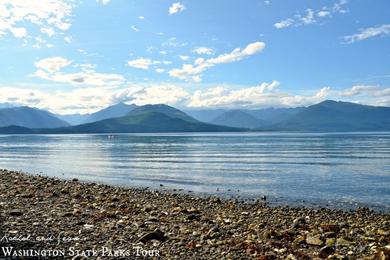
(335, 169)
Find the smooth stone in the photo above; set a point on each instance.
(155, 235)
(326, 251)
(315, 241)
(16, 212)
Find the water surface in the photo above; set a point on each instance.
(347, 169)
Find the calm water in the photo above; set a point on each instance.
(335, 169)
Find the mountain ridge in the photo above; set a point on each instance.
(326, 116)
(28, 117)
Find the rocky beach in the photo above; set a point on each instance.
(43, 217)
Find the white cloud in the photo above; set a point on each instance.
(203, 50)
(134, 28)
(188, 71)
(196, 78)
(47, 30)
(323, 13)
(382, 30)
(79, 100)
(163, 52)
(50, 69)
(83, 78)
(264, 95)
(160, 70)
(90, 99)
(143, 63)
(310, 16)
(176, 8)
(18, 32)
(183, 57)
(141, 17)
(142, 95)
(284, 24)
(172, 42)
(104, 2)
(140, 63)
(199, 61)
(339, 7)
(322, 93)
(68, 39)
(359, 90)
(45, 14)
(52, 64)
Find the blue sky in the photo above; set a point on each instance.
(71, 56)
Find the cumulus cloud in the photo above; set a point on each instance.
(176, 8)
(142, 95)
(48, 31)
(309, 18)
(264, 95)
(284, 24)
(203, 50)
(52, 64)
(19, 32)
(79, 100)
(184, 57)
(90, 99)
(50, 69)
(143, 63)
(364, 90)
(323, 13)
(47, 15)
(189, 71)
(382, 30)
(83, 78)
(140, 63)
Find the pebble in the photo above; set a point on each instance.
(183, 226)
(314, 240)
(16, 213)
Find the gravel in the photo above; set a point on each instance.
(47, 215)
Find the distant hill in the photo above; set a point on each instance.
(266, 115)
(238, 118)
(118, 110)
(274, 115)
(15, 130)
(73, 119)
(326, 116)
(147, 122)
(205, 115)
(163, 109)
(338, 116)
(8, 105)
(29, 117)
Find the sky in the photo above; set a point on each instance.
(70, 56)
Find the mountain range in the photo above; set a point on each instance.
(29, 117)
(337, 116)
(238, 118)
(325, 116)
(118, 110)
(145, 119)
